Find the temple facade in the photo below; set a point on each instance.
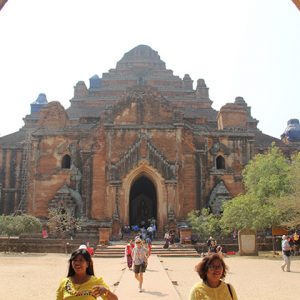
(138, 143)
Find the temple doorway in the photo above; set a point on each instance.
(142, 202)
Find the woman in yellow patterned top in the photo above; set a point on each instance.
(212, 271)
(81, 282)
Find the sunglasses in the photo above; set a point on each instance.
(215, 267)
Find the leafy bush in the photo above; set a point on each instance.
(16, 225)
(204, 224)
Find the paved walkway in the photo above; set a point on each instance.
(156, 285)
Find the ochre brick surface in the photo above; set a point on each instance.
(140, 124)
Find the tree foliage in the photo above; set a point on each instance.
(269, 180)
(203, 223)
(16, 225)
(248, 212)
(289, 203)
(268, 175)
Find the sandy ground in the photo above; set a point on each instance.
(253, 278)
(36, 276)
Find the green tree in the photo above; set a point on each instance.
(289, 204)
(16, 225)
(268, 175)
(266, 178)
(204, 224)
(248, 212)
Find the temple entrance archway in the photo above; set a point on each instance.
(142, 201)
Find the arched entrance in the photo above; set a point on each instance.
(142, 202)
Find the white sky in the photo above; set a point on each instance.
(248, 48)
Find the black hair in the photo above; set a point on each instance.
(87, 257)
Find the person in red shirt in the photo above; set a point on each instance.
(87, 247)
(149, 245)
(44, 233)
(128, 253)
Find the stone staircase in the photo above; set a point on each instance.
(118, 250)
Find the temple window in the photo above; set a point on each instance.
(220, 162)
(66, 162)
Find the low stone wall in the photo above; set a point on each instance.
(54, 245)
(263, 244)
(40, 245)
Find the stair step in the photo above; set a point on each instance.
(117, 250)
(153, 251)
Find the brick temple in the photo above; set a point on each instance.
(138, 143)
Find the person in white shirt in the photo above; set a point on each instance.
(140, 260)
(286, 254)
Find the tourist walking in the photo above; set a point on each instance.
(150, 232)
(286, 253)
(128, 253)
(153, 230)
(212, 271)
(296, 243)
(172, 237)
(81, 282)
(140, 260)
(219, 251)
(87, 247)
(211, 245)
(143, 233)
(167, 240)
(149, 245)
